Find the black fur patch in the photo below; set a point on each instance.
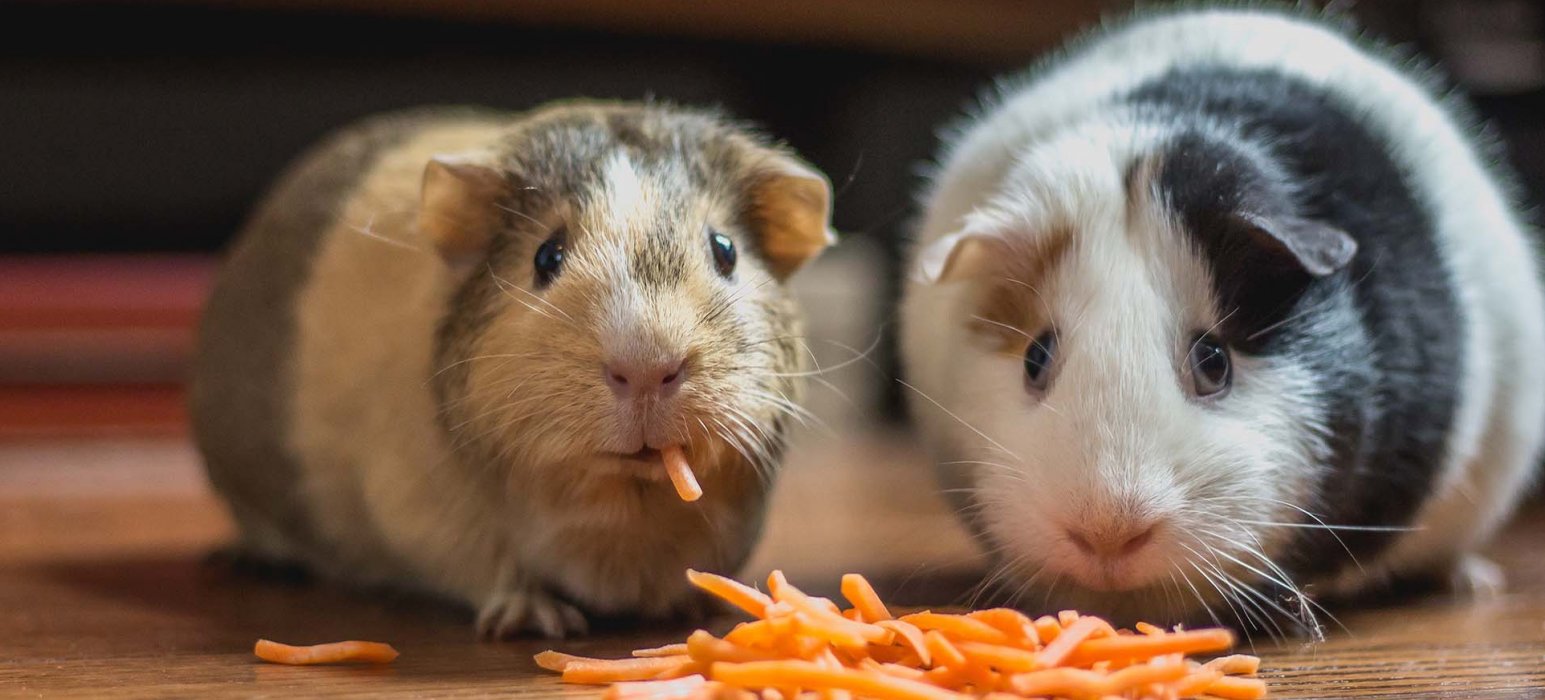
(1383, 335)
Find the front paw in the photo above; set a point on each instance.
(528, 609)
(1478, 578)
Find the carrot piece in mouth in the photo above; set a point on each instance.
(681, 473)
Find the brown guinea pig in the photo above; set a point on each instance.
(448, 348)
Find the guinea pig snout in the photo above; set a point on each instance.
(632, 378)
(1113, 552)
(1114, 540)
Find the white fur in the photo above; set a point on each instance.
(624, 192)
(1115, 433)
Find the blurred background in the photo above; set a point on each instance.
(134, 137)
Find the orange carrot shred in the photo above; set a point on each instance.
(1144, 646)
(958, 627)
(334, 653)
(680, 471)
(654, 690)
(1236, 688)
(1063, 646)
(1010, 622)
(600, 672)
(943, 652)
(1047, 628)
(806, 674)
(702, 646)
(557, 661)
(857, 590)
(731, 591)
(1235, 665)
(667, 650)
(913, 637)
(1150, 630)
(1003, 658)
(804, 647)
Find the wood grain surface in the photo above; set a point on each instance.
(103, 592)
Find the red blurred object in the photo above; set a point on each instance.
(97, 343)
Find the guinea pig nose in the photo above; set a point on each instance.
(632, 379)
(1114, 542)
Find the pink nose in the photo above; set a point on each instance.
(1121, 540)
(633, 379)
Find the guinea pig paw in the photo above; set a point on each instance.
(1478, 578)
(509, 613)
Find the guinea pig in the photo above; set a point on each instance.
(445, 353)
(1225, 312)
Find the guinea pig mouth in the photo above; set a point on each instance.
(647, 454)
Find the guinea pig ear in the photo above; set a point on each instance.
(790, 208)
(1317, 248)
(957, 256)
(459, 203)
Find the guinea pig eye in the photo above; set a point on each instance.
(549, 259)
(1211, 371)
(1038, 359)
(723, 252)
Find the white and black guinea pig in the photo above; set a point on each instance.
(1221, 310)
(445, 352)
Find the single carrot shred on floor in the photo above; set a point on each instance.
(334, 653)
(680, 471)
(803, 647)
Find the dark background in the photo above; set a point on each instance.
(137, 128)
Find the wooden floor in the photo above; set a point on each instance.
(102, 592)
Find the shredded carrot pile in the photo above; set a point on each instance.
(334, 653)
(802, 646)
(680, 471)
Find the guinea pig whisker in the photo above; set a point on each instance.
(999, 572)
(1201, 599)
(858, 356)
(368, 231)
(1050, 589)
(1210, 329)
(522, 214)
(1236, 583)
(742, 446)
(1222, 594)
(749, 423)
(1004, 326)
(1026, 586)
(1315, 307)
(1306, 617)
(960, 420)
(1306, 604)
(467, 360)
(1317, 526)
(779, 400)
(1221, 579)
(1008, 471)
(1045, 308)
(1321, 521)
(752, 440)
(507, 286)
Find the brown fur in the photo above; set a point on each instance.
(1009, 307)
(448, 422)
